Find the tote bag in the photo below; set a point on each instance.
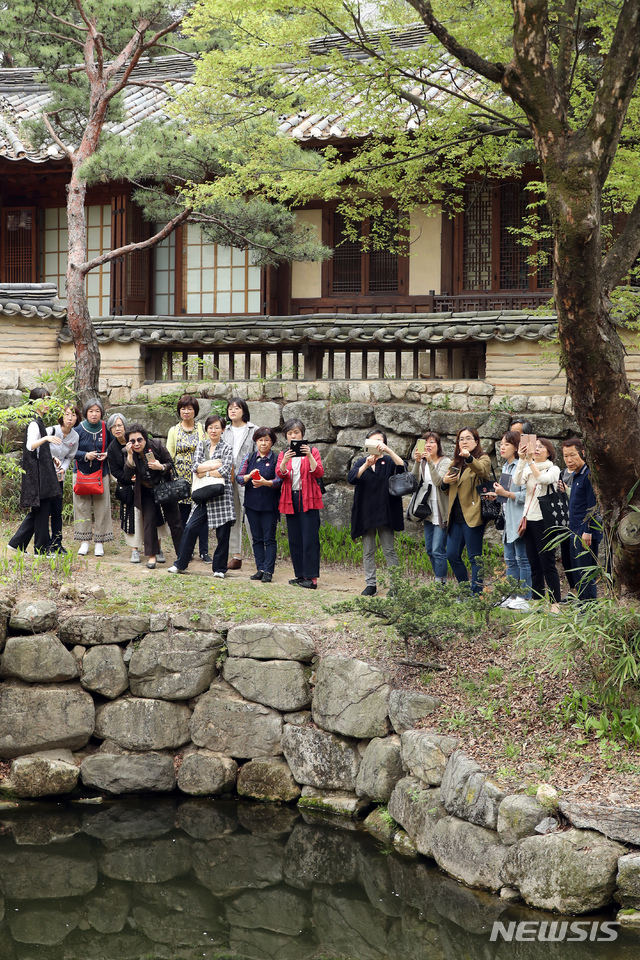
(204, 489)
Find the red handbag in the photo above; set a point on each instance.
(91, 484)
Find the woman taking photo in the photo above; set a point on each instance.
(212, 458)
(146, 464)
(238, 435)
(374, 510)
(92, 511)
(465, 527)
(40, 485)
(261, 495)
(301, 502)
(181, 444)
(513, 497)
(63, 458)
(538, 471)
(430, 467)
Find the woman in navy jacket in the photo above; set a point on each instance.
(261, 496)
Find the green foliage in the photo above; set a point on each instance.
(583, 712)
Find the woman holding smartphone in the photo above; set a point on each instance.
(430, 467)
(300, 468)
(92, 511)
(537, 471)
(465, 527)
(513, 497)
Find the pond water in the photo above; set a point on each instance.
(206, 879)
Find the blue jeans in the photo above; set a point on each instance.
(582, 558)
(518, 566)
(435, 540)
(459, 536)
(263, 525)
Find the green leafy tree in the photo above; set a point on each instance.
(476, 86)
(87, 52)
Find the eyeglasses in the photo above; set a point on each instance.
(138, 440)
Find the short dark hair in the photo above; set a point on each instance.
(512, 437)
(527, 426)
(576, 442)
(265, 432)
(432, 435)
(375, 430)
(549, 447)
(70, 406)
(212, 418)
(241, 403)
(39, 393)
(292, 424)
(137, 428)
(188, 400)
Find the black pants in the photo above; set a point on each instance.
(567, 563)
(303, 531)
(150, 524)
(56, 518)
(36, 525)
(542, 560)
(203, 535)
(190, 535)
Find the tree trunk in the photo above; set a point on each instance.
(87, 350)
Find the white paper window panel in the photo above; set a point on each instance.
(193, 282)
(94, 238)
(51, 264)
(162, 283)
(194, 256)
(253, 301)
(224, 280)
(193, 303)
(51, 218)
(238, 257)
(162, 258)
(254, 278)
(162, 305)
(207, 280)
(94, 306)
(223, 302)
(208, 303)
(238, 278)
(194, 234)
(93, 284)
(224, 256)
(237, 302)
(209, 255)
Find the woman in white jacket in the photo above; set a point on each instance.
(538, 473)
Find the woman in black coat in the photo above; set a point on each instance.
(40, 484)
(374, 510)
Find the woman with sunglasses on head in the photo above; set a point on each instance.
(430, 467)
(148, 463)
(238, 435)
(465, 526)
(213, 458)
(92, 511)
(538, 472)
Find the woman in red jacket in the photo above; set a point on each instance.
(301, 501)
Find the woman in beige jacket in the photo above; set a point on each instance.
(465, 528)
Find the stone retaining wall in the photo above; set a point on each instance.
(135, 704)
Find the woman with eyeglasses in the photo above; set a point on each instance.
(92, 511)
(63, 458)
(465, 527)
(238, 435)
(538, 472)
(182, 441)
(146, 464)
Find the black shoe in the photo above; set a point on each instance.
(296, 581)
(206, 558)
(369, 592)
(56, 548)
(267, 577)
(258, 575)
(307, 584)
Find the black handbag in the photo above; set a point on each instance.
(500, 520)
(554, 507)
(402, 484)
(490, 508)
(171, 491)
(419, 508)
(124, 493)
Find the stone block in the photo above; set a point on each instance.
(495, 427)
(448, 421)
(471, 854)
(10, 398)
(318, 854)
(89, 629)
(174, 664)
(147, 861)
(281, 910)
(379, 391)
(281, 684)
(571, 872)
(338, 501)
(350, 697)
(616, 822)
(417, 809)
(268, 779)
(336, 802)
(238, 860)
(226, 723)
(34, 616)
(380, 769)
(138, 723)
(204, 773)
(539, 404)
(557, 404)
(42, 777)
(267, 819)
(481, 388)
(518, 817)
(628, 882)
(104, 671)
(205, 820)
(315, 416)
(468, 793)
(358, 392)
(266, 414)
(425, 754)
(336, 463)
(129, 773)
(351, 415)
(406, 707)
(29, 874)
(108, 910)
(9, 379)
(43, 718)
(124, 821)
(402, 418)
(39, 659)
(268, 641)
(320, 759)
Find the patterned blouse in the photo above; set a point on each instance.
(186, 442)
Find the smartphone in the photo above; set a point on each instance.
(420, 445)
(149, 455)
(295, 446)
(371, 448)
(454, 471)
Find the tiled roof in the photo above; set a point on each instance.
(31, 300)
(410, 329)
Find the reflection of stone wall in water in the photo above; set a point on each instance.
(145, 708)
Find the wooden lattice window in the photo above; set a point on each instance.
(477, 237)
(513, 255)
(362, 269)
(19, 245)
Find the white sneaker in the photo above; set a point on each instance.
(84, 549)
(12, 549)
(519, 603)
(135, 557)
(174, 569)
(219, 574)
(507, 604)
(98, 550)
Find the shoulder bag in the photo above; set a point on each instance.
(204, 489)
(171, 491)
(419, 508)
(490, 509)
(402, 484)
(91, 484)
(554, 507)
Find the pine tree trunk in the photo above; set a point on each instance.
(87, 350)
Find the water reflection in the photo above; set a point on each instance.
(204, 879)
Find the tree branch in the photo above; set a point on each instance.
(566, 39)
(469, 58)
(623, 252)
(134, 53)
(63, 146)
(530, 80)
(89, 265)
